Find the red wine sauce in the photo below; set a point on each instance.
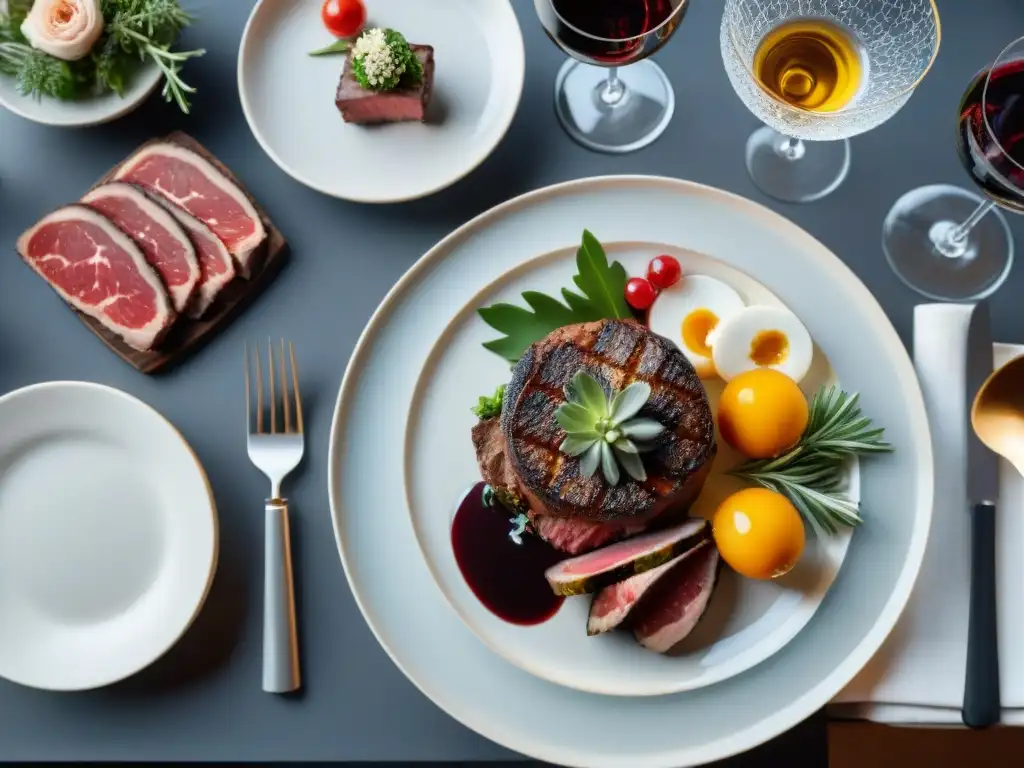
(508, 578)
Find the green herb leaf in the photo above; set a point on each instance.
(812, 474)
(490, 407)
(603, 284)
(338, 46)
(585, 390)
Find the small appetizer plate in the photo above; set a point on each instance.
(288, 97)
(108, 536)
(80, 113)
(394, 587)
(747, 620)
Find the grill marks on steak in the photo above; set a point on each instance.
(188, 180)
(616, 353)
(100, 271)
(165, 244)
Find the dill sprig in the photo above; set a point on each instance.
(813, 473)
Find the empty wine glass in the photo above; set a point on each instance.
(946, 242)
(817, 72)
(602, 103)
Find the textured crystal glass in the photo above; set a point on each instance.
(802, 155)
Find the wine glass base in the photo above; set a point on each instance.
(929, 212)
(638, 118)
(812, 172)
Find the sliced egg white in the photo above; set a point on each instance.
(689, 311)
(762, 337)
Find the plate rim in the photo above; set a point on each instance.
(122, 107)
(516, 57)
(786, 631)
(106, 390)
(818, 695)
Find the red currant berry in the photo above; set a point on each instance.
(640, 294)
(663, 271)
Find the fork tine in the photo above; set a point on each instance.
(284, 393)
(259, 391)
(295, 389)
(273, 398)
(248, 411)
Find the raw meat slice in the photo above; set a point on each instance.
(597, 569)
(216, 268)
(671, 609)
(613, 604)
(99, 270)
(194, 183)
(162, 240)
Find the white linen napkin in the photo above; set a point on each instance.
(918, 675)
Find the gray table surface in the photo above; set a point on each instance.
(203, 700)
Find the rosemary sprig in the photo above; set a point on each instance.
(812, 474)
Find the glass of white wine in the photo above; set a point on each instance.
(817, 72)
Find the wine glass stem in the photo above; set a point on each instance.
(789, 148)
(613, 90)
(951, 240)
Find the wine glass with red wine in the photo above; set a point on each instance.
(951, 244)
(602, 103)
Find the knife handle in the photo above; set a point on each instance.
(981, 689)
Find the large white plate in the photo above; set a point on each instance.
(82, 112)
(288, 97)
(392, 583)
(108, 535)
(747, 621)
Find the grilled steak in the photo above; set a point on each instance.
(359, 105)
(616, 353)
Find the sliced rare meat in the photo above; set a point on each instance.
(101, 272)
(192, 182)
(576, 535)
(163, 241)
(613, 604)
(671, 608)
(216, 268)
(594, 570)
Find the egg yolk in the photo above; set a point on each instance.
(762, 413)
(759, 533)
(769, 348)
(695, 329)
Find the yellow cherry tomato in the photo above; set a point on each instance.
(759, 533)
(762, 413)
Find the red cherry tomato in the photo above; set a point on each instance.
(640, 294)
(343, 18)
(663, 271)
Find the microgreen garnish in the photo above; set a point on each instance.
(338, 46)
(490, 407)
(519, 523)
(812, 474)
(382, 59)
(603, 297)
(605, 431)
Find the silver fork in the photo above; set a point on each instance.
(276, 453)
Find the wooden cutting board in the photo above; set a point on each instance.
(188, 335)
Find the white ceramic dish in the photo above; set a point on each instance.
(747, 620)
(392, 583)
(288, 97)
(84, 112)
(108, 535)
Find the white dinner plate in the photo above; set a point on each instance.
(746, 622)
(393, 584)
(288, 97)
(81, 112)
(108, 535)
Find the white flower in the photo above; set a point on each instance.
(65, 29)
(378, 59)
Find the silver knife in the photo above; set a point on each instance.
(981, 706)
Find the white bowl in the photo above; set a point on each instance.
(82, 112)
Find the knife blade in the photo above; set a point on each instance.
(982, 706)
(982, 463)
